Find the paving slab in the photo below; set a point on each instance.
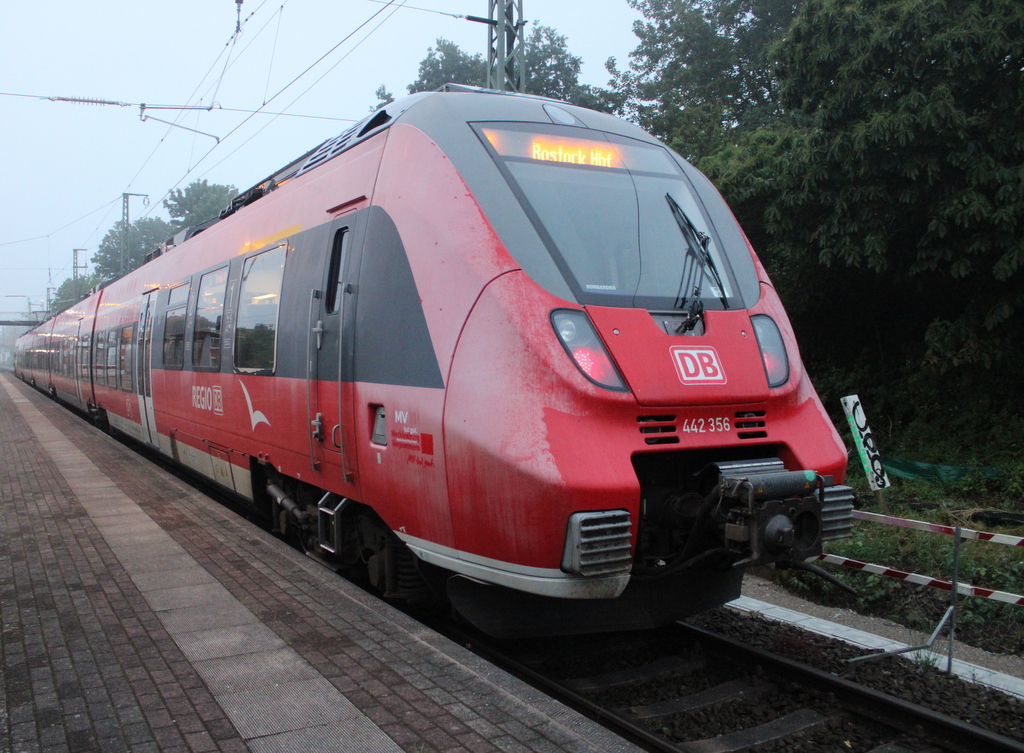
(138, 614)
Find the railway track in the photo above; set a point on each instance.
(684, 689)
(687, 690)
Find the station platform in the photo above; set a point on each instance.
(137, 614)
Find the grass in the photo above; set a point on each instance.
(985, 623)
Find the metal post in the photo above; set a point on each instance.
(948, 617)
(506, 56)
(952, 598)
(76, 265)
(124, 226)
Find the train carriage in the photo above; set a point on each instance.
(492, 348)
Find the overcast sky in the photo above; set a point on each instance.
(65, 166)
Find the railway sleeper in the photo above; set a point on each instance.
(676, 665)
(797, 722)
(733, 690)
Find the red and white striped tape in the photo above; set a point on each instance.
(920, 525)
(962, 588)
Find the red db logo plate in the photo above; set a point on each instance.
(697, 365)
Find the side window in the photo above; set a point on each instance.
(259, 300)
(174, 327)
(99, 361)
(83, 355)
(338, 253)
(209, 316)
(112, 337)
(125, 366)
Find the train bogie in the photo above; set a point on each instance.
(497, 348)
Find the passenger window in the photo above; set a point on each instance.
(99, 362)
(177, 296)
(339, 250)
(174, 328)
(209, 316)
(126, 357)
(259, 300)
(112, 336)
(83, 356)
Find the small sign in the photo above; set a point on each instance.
(870, 457)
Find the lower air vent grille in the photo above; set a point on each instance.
(658, 426)
(750, 424)
(837, 513)
(597, 543)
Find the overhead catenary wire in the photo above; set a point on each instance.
(426, 10)
(46, 236)
(63, 227)
(273, 52)
(283, 89)
(387, 11)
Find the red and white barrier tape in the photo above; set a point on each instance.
(962, 588)
(920, 525)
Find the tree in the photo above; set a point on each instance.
(144, 235)
(384, 97)
(551, 70)
(702, 73)
(70, 292)
(198, 203)
(905, 159)
(448, 64)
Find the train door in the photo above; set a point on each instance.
(144, 368)
(331, 324)
(76, 356)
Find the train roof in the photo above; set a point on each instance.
(431, 112)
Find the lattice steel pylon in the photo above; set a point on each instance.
(506, 51)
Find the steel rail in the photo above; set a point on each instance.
(943, 730)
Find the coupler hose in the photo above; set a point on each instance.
(815, 570)
(287, 503)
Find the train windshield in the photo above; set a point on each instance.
(623, 222)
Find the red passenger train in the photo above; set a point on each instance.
(495, 349)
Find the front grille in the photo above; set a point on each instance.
(750, 424)
(597, 543)
(837, 513)
(658, 426)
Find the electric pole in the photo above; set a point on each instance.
(124, 225)
(506, 53)
(83, 266)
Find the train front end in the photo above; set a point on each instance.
(627, 422)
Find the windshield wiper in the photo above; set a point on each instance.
(697, 246)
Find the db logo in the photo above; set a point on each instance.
(697, 365)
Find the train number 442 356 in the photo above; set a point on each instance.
(706, 425)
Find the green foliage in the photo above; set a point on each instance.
(702, 73)
(70, 292)
(120, 252)
(197, 203)
(551, 70)
(384, 97)
(448, 64)
(981, 622)
(903, 159)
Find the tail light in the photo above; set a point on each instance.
(773, 350)
(580, 341)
